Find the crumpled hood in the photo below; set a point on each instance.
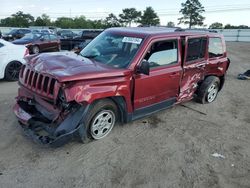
(68, 66)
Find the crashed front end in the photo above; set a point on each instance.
(42, 110)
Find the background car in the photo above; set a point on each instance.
(39, 42)
(66, 34)
(47, 31)
(84, 37)
(15, 34)
(11, 60)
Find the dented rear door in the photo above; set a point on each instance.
(194, 65)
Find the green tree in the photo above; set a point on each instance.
(216, 25)
(64, 22)
(81, 22)
(243, 27)
(98, 24)
(44, 20)
(130, 15)
(228, 26)
(149, 17)
(18, 19)
(170, 24)
(191, 11)
(112, 21)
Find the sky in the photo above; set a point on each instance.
(226, 12)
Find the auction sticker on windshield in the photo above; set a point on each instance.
(132, 40)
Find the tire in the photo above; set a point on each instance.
(208, 90)
(35, 49)
(100, 120)
(12, 71)
(59, 48)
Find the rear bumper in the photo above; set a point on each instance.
(51, 134)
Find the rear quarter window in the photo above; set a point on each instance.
(215, 48)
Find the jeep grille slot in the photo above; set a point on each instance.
(26, 76)
(37, 82)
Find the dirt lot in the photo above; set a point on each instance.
(170, 149)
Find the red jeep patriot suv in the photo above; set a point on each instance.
(122, 75)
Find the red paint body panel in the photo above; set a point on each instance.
(83, 80)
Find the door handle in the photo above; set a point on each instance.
(174, 74)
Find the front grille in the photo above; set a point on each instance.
(38, 82)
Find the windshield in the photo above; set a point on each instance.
(31, 36)
(115, 50)
(12, 31)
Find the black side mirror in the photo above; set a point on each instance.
(143, 67)
(41, 39)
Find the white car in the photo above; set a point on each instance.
(11, 60)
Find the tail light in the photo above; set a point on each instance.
(26, 53)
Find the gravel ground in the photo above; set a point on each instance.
(172, 148)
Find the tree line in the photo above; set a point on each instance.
(191, 11)
(218, 25)
(126, 18)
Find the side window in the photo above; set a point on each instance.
(215, 48)
(27, 31)
(162, 53)
(46, 37)
(19, 31)
(196, 49)
(53, 37)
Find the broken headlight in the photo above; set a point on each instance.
(62, 100)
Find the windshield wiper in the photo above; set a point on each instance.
(89, 56)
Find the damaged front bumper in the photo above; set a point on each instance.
(50, 133)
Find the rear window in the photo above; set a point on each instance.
(215, 48)
(196, 49)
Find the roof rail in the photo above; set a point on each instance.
(197, 30)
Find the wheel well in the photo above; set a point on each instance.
(35, 45)
(222, 80)
(121, 106)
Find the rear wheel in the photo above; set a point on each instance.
(208, 90)
(35, 49)
(100, 120)
(12, 71)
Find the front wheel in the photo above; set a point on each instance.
(12, 71)
(102, 124)
(100, 120)
(35, 49)
(208, 90)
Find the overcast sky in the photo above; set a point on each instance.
(230, 11)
